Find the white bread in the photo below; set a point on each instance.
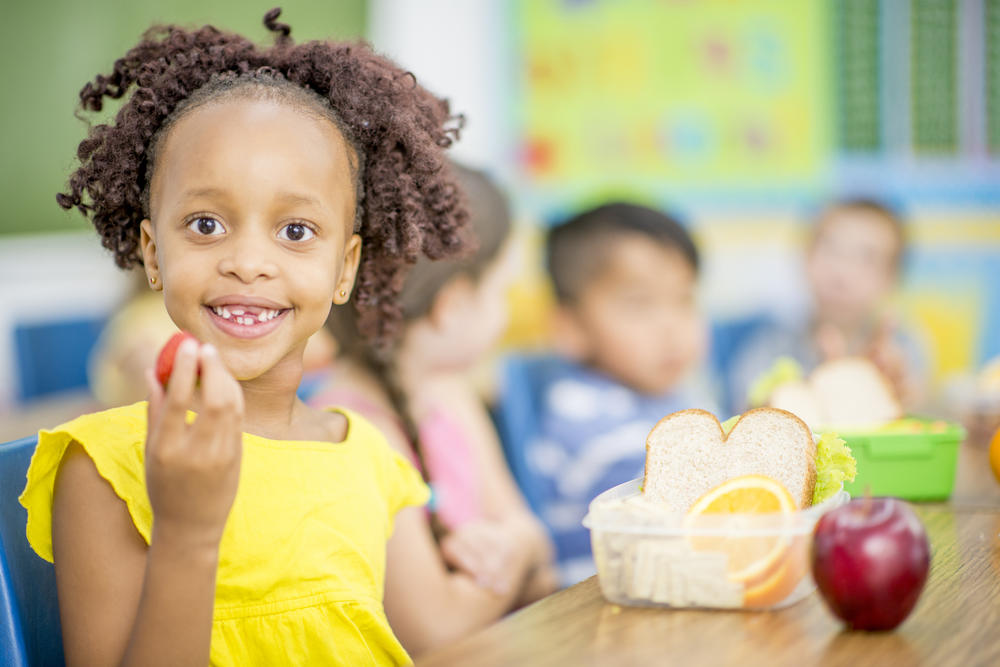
(687, 454)
(799, 398)
(843, 392)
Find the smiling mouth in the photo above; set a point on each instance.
(243, 321)
(246, 315)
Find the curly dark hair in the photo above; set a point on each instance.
(408, 201)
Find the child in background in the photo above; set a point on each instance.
(628, 335)
(853, 262)
(418, 393)
(228, 522)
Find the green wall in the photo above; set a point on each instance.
(50, 48)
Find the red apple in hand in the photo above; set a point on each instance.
(870, 559)
(165, 362)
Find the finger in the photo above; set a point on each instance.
(154, 407)
(221, 400)
(180, 389)
(155, 393)
(490, 560)
(458, 554)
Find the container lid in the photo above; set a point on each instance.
(623, 509)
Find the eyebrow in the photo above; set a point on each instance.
(288, 197)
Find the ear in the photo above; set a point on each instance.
(451, 300)
(348, 270)
(150, 263)
(569, 335)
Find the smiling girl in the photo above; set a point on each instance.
(225, 521)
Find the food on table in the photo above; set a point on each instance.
(722, 521)
(687, 453)
(165, 361)
(995, 454)
(850, 391)
(870, 559)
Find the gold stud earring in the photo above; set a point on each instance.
(152, 281)
(343, 293)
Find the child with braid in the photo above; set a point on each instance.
(225, 521)
(418, 393)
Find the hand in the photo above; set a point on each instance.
(486, 551)
(193, 470)
(890, 359)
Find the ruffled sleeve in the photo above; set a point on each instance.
(400, 482)
(115, 441)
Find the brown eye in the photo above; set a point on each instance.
(206, 226)
(296, 231)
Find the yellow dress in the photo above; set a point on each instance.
(302, 560)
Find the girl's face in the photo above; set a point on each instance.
(851, 265)
(252, 210)
(470, 316)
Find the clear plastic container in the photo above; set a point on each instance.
(648, 556)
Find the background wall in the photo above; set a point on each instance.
(741, 117)
(744, 118)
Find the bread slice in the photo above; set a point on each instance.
(687, 454)
(850, 391)
(799, 398)
(854, 392)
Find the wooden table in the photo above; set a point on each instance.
(956, 621)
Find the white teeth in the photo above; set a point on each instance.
(240, 316)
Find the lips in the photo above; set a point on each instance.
(245, 317)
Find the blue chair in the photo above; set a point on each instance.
(30, 633)
(52, 356)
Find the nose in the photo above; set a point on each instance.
(249, 257)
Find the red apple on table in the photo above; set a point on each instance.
(165, 361)
(870, 559)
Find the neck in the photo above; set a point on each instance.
(270, 402)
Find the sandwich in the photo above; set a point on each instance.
(689, 453)
(846, 392)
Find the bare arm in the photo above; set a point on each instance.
(502, 500)
(122, 603)
(427, 605)
(113, 591)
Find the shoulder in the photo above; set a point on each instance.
(94, 456)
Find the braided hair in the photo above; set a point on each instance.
(408, 204)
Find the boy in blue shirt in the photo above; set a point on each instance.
(628, 335)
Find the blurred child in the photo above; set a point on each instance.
(853, 262)
(419, 394)
(628, 334)
(225, 521)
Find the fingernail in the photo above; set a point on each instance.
(188, 346)
(208, 348)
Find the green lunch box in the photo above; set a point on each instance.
(911, 465)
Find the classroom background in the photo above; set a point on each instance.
(741, 117)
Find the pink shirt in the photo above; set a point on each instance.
(451, 462)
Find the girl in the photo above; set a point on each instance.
(418, 394)
(227, 521)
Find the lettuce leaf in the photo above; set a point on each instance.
(785, 369)
(728, 425)
(834, 466)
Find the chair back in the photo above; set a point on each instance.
(30, 633)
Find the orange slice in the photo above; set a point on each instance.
(752, 558)
(778, 582)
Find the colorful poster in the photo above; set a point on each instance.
(708, 93)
